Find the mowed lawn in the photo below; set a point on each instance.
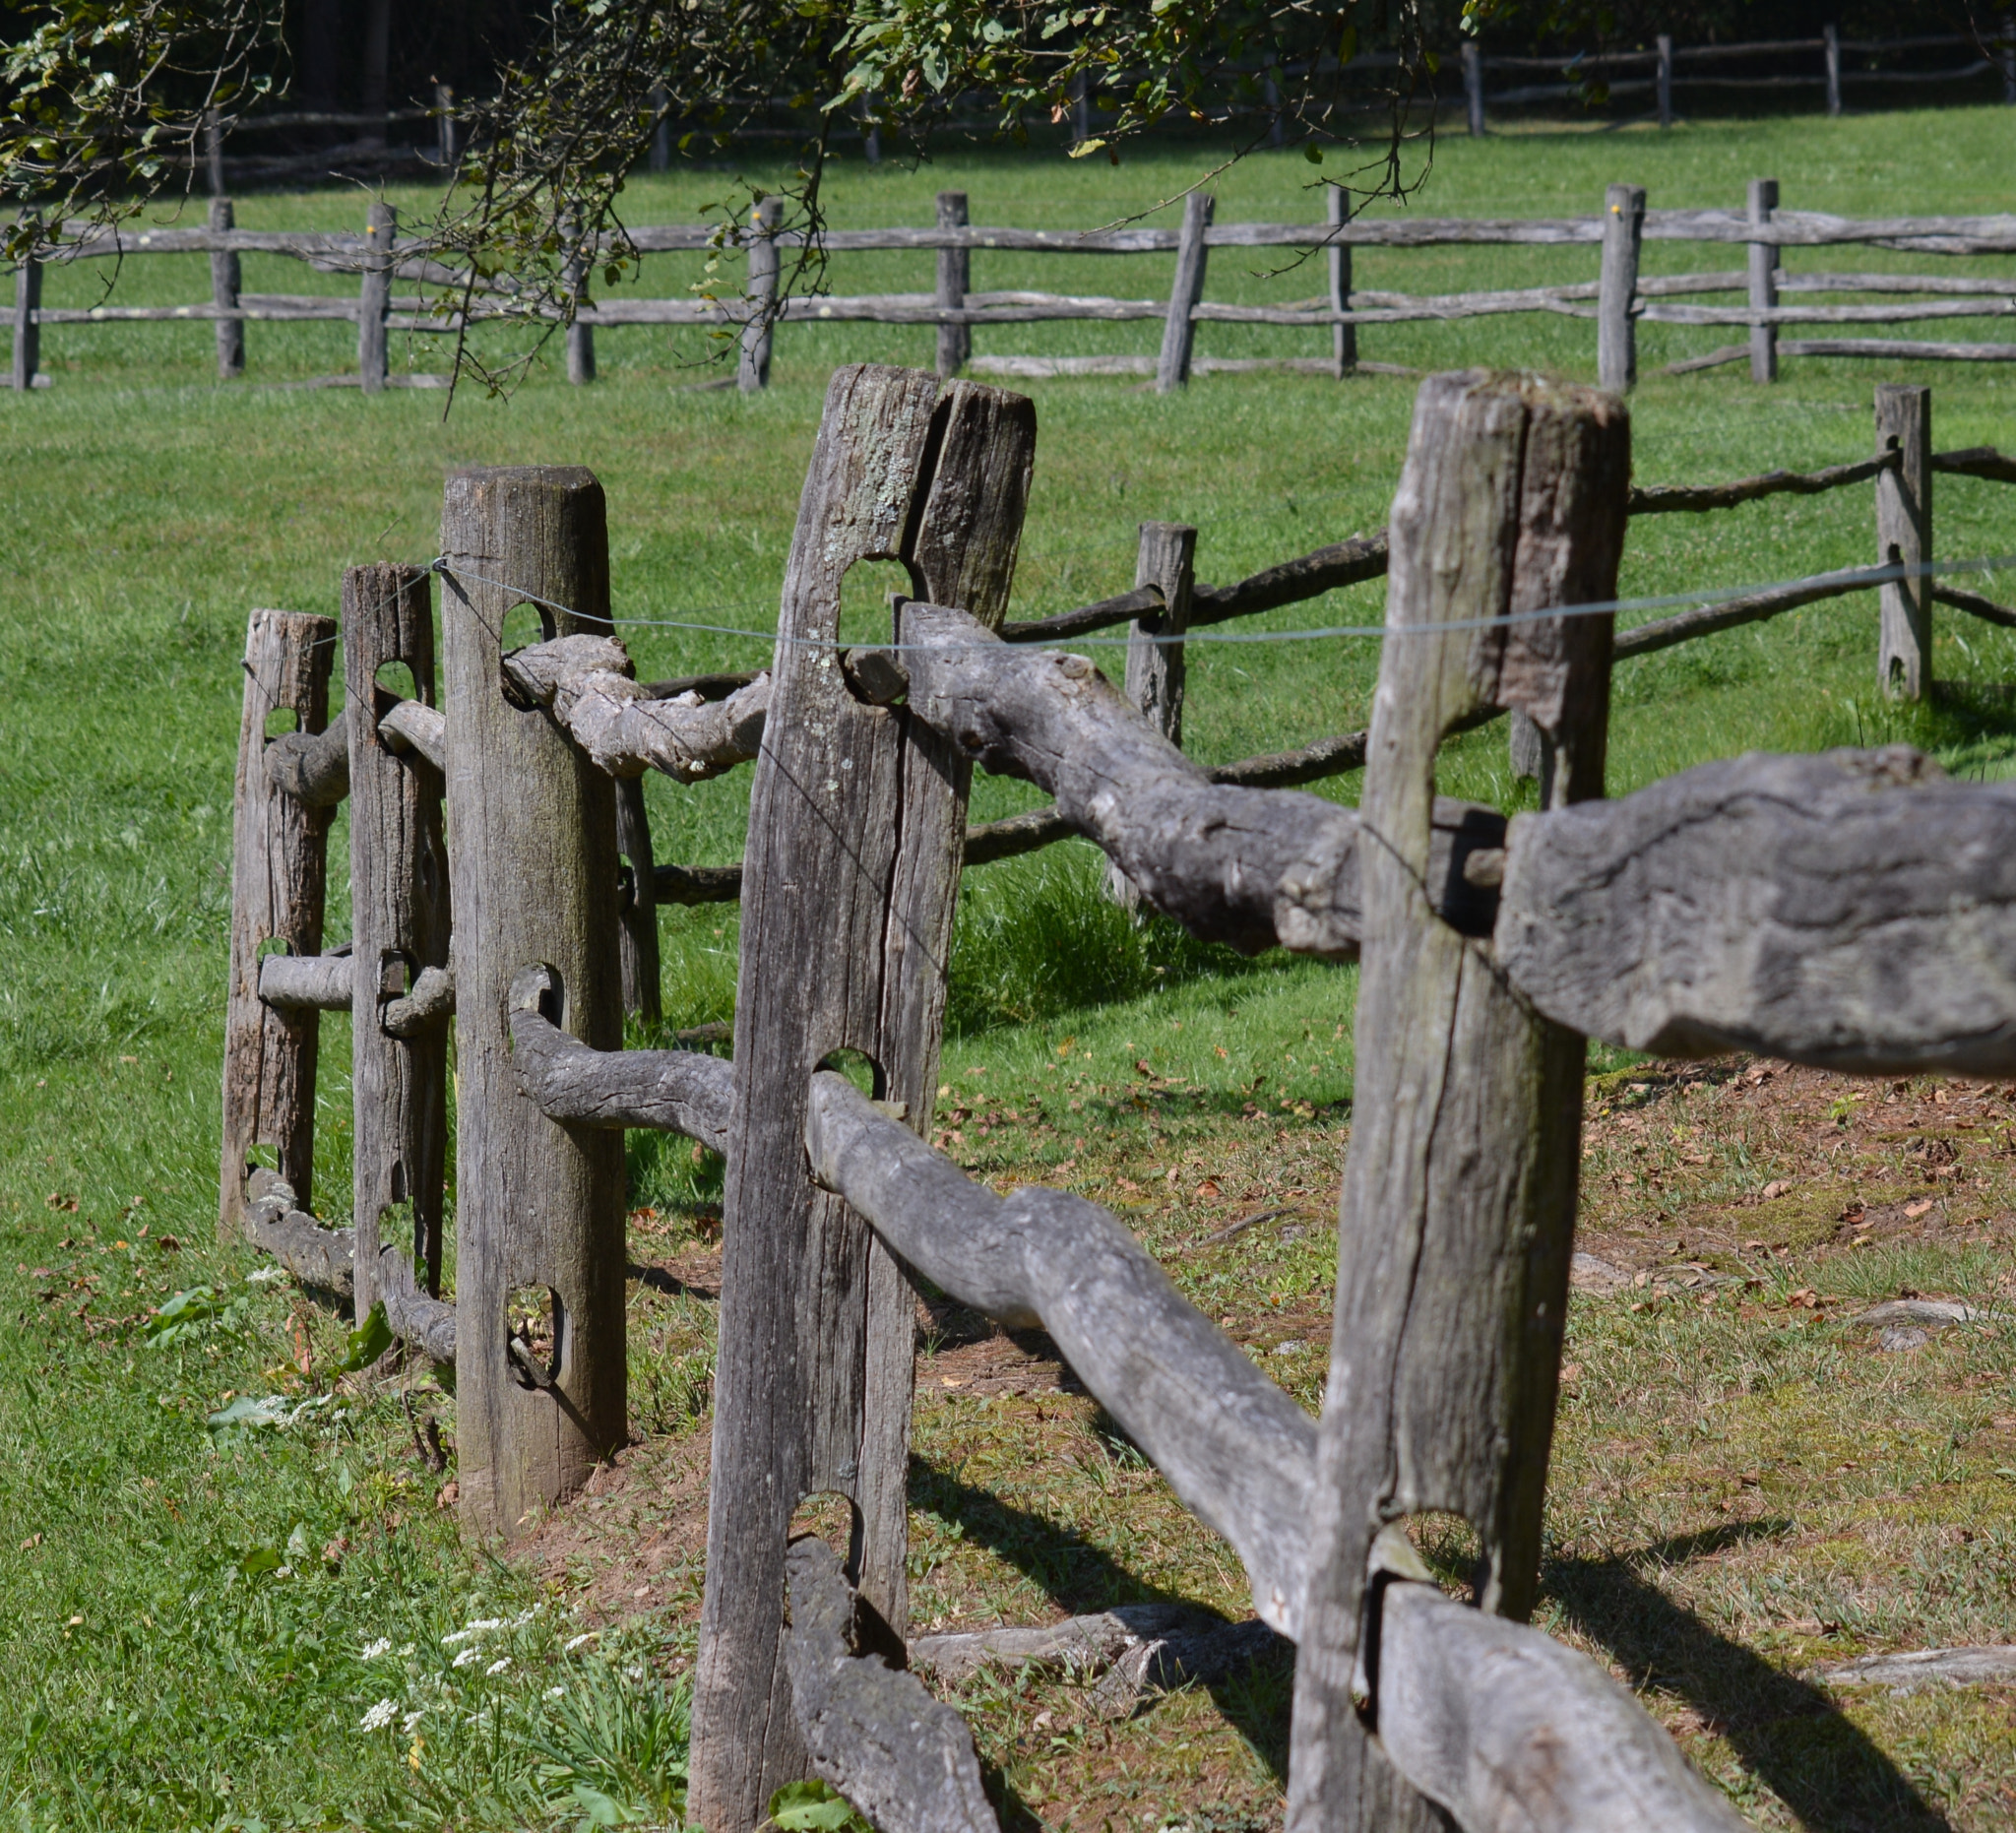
(193, 1613)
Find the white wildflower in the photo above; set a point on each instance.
(480, 1627)
(379, 1717)
(412, 1720)
(556, 1693)
(371, 1651)
(265, 1276)
(467, 1656)
(408, 1650)
(581, 1642)
(498, 1666)
(634, 1673)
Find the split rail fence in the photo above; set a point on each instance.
(1617, 300)
(1852, 909)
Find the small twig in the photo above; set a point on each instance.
(1249, 1222)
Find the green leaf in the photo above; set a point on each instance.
(260, 1559)
(814, 1807)
(1084, 146)
(365, 1344)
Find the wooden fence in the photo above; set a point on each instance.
(1617, 300)
(1852, 909)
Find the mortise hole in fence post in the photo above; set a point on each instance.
(1904, 536)
(1343, 345)
(1155, 673)
(533, 868)
(374, 296)
(278, 875)
(1179, 330)
(753, 371)
(1763, 276)
(223, 291)
(955, 282)
(399, 925)
(1616, 330)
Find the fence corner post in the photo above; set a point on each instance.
(1178, 331)
(1664, 79)
(955, 282)
(1167, 559)
(1903, 538)
(1474, 87)
(27, 327)
(1830, 44)
(641, 976)
(374, 296)
(1616, 327)
(1763, 264)
(753, 368)
(279, 850)
(1343, 340)
(224, 282)
(531, 854)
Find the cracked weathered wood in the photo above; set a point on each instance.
(1753, 607)
(419, 728)
(1251, 867)
(309, 983)
(855, 821)
(904, 1761)
(279, 874)
(531, 849)
(1852, 909)
(1676, 498)
(1156, 675)
(1458, 1203)
(566, 1080)
(431, 1000)
(313, 767)
(399, 929)
(1903, 538)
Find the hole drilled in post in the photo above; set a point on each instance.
(535, 1329)
(1452, 1549)
(281, 721)
(836, 1520)
(523, 625)
(864, 593)
(860, 1069)
(397, 677)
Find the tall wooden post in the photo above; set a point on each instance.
(27, 329)
(580, 337)
(955, 282)
(1172, 369)
(1903, 538)
(1474, 87)
(213, 150)
(1343, 347)
(279, 876)
(1830, 37)
(639, 947)
(661, 130)
(1459, 1199)
(753, 371)
(1663, 78)
(531, 854)
(1166, 559)
(1616, 330)
(856, 830)
(2007, 59)
(374, 296)
(224, 282)
(399, 925)
(449, 152)
(1763, 275)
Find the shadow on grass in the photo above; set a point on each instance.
(1786, 1732)
(1081, 1577)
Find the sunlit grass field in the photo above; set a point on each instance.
(166, 1675)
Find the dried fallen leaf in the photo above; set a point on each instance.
(1917, 1209)
(1207, 1191)
(1775, 1189)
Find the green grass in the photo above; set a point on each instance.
(147, 509)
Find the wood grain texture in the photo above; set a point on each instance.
(1904, 536)
(1179, 332)
(855, 821)
(533, 872)
(1459, 1202)
(431, 1000)
(278, 877)
(566, 1080)
(417, 728)
(318, 982)
(903, 1760)
(313, 767)
(400, 924)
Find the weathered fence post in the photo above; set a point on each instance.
(1459, 1200)
(374, 296)
(1617, 329)
(213, 150)
(278, 875)
(856, 824)
(1830, 35)
(1172, 370)
(1903, 538)
(531, 853)
(225, 281)
(1763, 265)
(641, 988)
(1474, 87)
(580, 337)
(399, 925)
(753, 371)
(1269, 95)
(661, 129)
(2008, 60)
(27, 329)
(444, 117)
(1344, 345)
(1167, 559)
(955, 282)
(1663, 78)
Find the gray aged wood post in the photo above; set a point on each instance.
(1165, 558)
(580, 337)
(1616, 330)
(955, 282)
(661, 129)
(1663, 79)
(213, 150)
(1904, 536)
(532, 855)
(1830, 35)
(1763, 266)
(1178, 333)
(2008, 60)
(1458, 1198)
(1343, 347)
(225, 281)
(641, 980)
(27, 329)
(753, 371)
(279, 876)
(374, 296)
(857, 825)
(399, 925)
(1474, 87)
(444, 120)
